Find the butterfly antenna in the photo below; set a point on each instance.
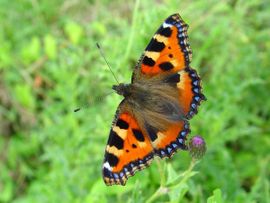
(102, 54)
(100, 98)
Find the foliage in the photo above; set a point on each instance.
(49, 65)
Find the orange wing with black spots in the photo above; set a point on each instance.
(166, 143)
(164, 66)
(187, 83)
(128, 150)
(168, 50)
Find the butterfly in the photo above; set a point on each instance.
(153, 118)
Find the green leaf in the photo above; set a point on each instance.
(6, 191)
(99, 28)
(5, 53)
(74, 32)
(216, 197)
(177, 193)
(99, 188)
(175, 179)
(50, 46)
(24, 95)
(31, 51)
(171, 173)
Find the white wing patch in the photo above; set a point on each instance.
(107, 166)
(166, 25)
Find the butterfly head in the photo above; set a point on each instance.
(122, 89)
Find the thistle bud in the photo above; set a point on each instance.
(197, 147)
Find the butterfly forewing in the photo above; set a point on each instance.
(168, 50)
(128, 149)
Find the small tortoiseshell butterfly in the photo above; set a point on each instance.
(164, 94)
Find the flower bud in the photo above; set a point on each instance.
(197, 147)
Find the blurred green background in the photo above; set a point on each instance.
(49, 65)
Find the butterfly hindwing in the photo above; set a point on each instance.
(166, 143)
(128, 149)
(188, 84)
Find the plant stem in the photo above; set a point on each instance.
(165, 189)
(160, 191)
(161, 172)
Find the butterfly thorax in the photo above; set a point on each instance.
(151, 102)
(122, 89)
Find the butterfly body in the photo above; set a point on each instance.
(152, 119)
(153, 101)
